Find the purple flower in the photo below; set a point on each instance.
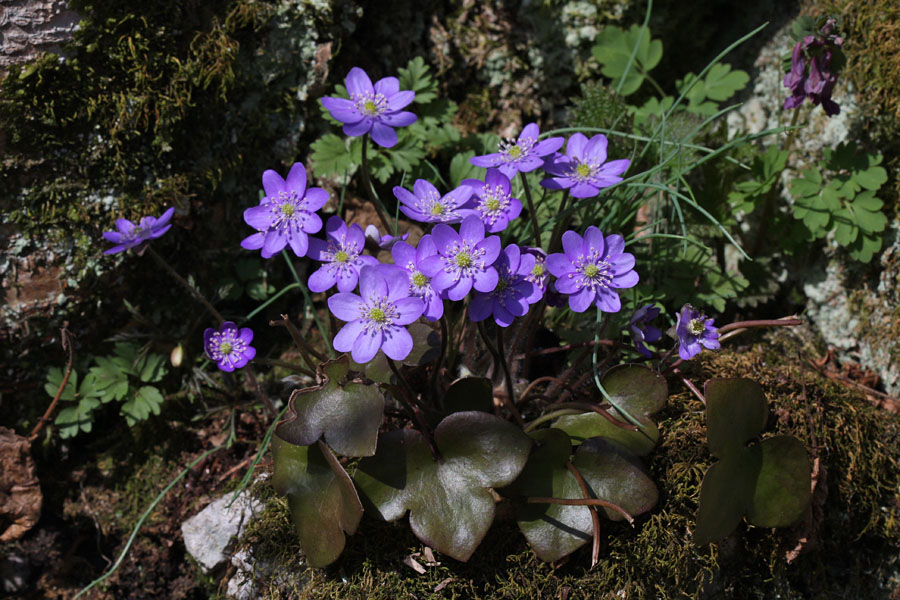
(592, 269)
(522, 155)
(464, 259)
(285, 215)
(493, 203)
(427, 206)
(375, 108)
(409, 258)
(376, 319)
(229, 347)
(583, 168)
(341, 253)
(130, 235)
(815, 62)
(642, 331)
(510, 298)
(383, 242)
(695, 330)
(539, 276)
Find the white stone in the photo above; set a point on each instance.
(209, 534)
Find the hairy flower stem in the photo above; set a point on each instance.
(325, 333)
(556, 236)
(690, 385)
(531, 211)
(433, 383)
(769, 202)
(409, 397)
(67, 341)
(305, 349)
(191, 289)
(367, 183)
(499, 360)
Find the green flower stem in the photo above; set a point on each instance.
(432, 384)
(193, 291)
(560, 225)
(305, 349)
(267, 402)
(500, 361)
(147, 514)
(265, 304)
(367, 183)
(325, 332)
(531, 211)
(531, 426)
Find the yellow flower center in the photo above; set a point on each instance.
(696, 326)
(287, 209)
(340, 256)
(369, 107)
(419, 279)
(463, 260)
(377, 315)
(225, 348)
(538, 270)
(591, 271)
(583, 170)
(437, 209)
(492, 204)
(515, 152)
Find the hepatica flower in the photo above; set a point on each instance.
(376, 109)
(409, 258)
(522, 155)
(510, 299)
(493, 202)
(229, 346)
(377, 318)
(286, 215)
(583, 169)
(426, 205)
(130, 235)
(464, 259)
(695, 332)
(591, 270)
(383, 242)
(642, 331)
(539, 276)
(341, 254)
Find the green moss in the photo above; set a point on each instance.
(852, 552)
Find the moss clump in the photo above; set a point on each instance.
(853, 540)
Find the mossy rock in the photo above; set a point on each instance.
(851, 551)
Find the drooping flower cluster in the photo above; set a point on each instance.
(131, 236)
(229, 347)
(286, 215)
(376, 109)
(695, 331)
(815, 63)
(591, 269)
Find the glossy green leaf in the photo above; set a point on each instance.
(633, 388)
(725, 495)
(449, 502)
(552, 530)
(616, 475)
(321, 497)
(736, 413)
(347, 414)
(782, 491)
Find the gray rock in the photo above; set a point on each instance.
(210, 534)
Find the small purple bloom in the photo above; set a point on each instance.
(130, 235)
(510, 298)
(815, 61)
(520, 156)
(493, 202)
(695, 332)
(409, 258)
(342, 255)
(591, 269)
(286, 215)
(376, 319)
(383, 242)
(539, 275)
(583, 169)
(642, 331)
(229, 346)
(426, 205)
(464, 259)
(375, 108)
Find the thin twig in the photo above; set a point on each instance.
(599, 409)
(580, 502)
(595, 518)
(565, 348)
(408, 396)
(305, 348)
(690, 385)
(67, 341)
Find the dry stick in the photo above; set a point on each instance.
(67, 344)
(305, 349)
(540, 380)
(600, 410)
(581, 380)
(690, 385)
(733, 329)
(498, 359)
(595, 518)
(580, 502)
